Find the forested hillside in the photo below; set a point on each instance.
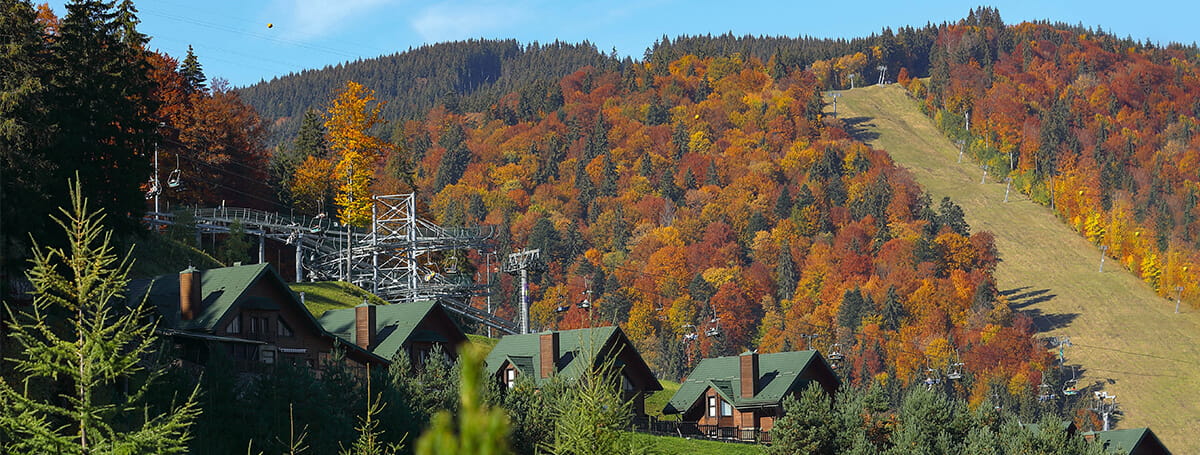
(718, 191)
(1101, 129)
(463, 75)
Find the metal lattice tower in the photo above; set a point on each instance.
(392, 259)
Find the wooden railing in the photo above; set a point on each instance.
(652, 425)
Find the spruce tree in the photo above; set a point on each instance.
(84, 379)
(476, 427)
(102, 104)
(193, 75)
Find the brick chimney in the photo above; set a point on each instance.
(548, 352)
(190, 299)
(364, 325)
(748, 373)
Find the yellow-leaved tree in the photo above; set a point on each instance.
(351, 116)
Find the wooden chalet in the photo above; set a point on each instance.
(246, 313)
(741, 396)
(562, 353)
(387, 330)
(1133, 441)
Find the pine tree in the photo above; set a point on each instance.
(193, 75)
(591, 418)
(236, 248)
(93, 361)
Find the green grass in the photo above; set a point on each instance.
(331, 295)
(156, 255)
(671, 445)
(658, 400)
(1126, 338)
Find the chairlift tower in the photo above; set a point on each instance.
(1106, 406)
(961, 145)
(1007, 187)
(882, 74)
(1178, 297)
(835, 96)
(1103, 253)
(521, 264)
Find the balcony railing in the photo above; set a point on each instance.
(652, 425)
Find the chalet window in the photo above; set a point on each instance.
(510, 377)
(235, 326)
(712, 406)
(726, 409)
(282, 329)
(626, 384)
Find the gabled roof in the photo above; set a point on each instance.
(522, 351)
(1125, 441)
(221, 288)
(778, 375)
(395, 325)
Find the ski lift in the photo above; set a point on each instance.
(715, 330)
(931, 378)
(835, 353)
(1070, 387)
(585, 304)
(292, 237)
(1046, 393)
(955, 372)
(175, 178)
(452, 264)
(690, 336)
(154, 188)
(562, 308)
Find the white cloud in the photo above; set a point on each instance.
(306, 19)
(448, 21)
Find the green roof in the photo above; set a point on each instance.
(1125, 441)
(523, 352)
(778, 375)
(394, 325)
(221, 289)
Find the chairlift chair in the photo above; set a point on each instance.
(585, 304)
(1069, 387)
(562, 308)
(452, 264)
(835, 353)
(154, 188)
(690, 336)
(713, 332)
(956, 371)
(176, 177)
(931, 378)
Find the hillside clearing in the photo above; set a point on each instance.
(1126, 339)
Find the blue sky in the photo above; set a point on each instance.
(233, 42)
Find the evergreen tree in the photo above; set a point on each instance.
(851, 311)
(808, 425)
(950, 214)
(27, 174)
(591, 417)
(193, 75)
(476, 428)
(892, 310)
(236, 248)
(785, 272)
(455, 160)
(608, 187)
(680, 139)
(103, 103)
(783, 204)
(91, 362)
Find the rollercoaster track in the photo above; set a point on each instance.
(384, 260)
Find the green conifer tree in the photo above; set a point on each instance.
(83, 380)
(193, 73)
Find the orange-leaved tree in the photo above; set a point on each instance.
(348, 122)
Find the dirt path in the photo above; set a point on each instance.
(1125, 337)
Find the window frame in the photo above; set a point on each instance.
(510, 377)
(712, 406)
(726, 409)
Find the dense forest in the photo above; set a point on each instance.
(1101, 129)
(699, 189)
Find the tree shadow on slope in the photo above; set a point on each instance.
(1020, 299)
(859, 128)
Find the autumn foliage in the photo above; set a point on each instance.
(1099, 128)
(709, 195)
